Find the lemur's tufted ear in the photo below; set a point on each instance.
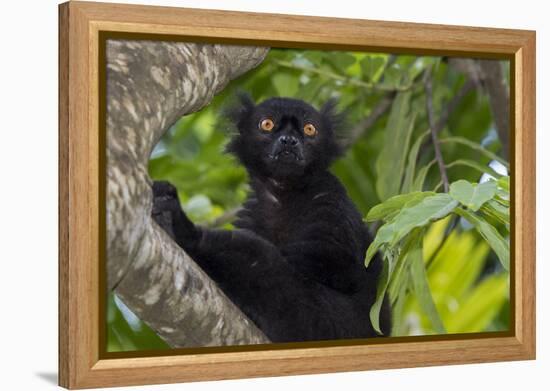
(336, 121)
(240, 109)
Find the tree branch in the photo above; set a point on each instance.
(468, 86)
(488, 75)
(150, 84)
(499, 100)
(432, 123)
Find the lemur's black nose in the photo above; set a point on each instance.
(288, 140)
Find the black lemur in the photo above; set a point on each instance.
(295, 262)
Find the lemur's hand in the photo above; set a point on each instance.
(168, 214)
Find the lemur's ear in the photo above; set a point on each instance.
(240, 109)
(336, 122)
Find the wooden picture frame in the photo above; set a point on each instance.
(81, 364)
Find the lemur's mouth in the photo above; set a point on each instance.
(286, 155)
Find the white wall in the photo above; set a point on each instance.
(28, 157)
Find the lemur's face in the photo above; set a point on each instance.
(284, 137)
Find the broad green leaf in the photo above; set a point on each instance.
(473, 196)
(422, 290)
(372, 67)
(469, 266)
(504, 183)
(411, 164)
(452, 272)
(390, 163)
(395, 203)
(431, 241)
(418, 184)
(383, 281)
(380, 239)
(421, 64)
(400, 270)
(286, 84)
(341, 60)
(393, 76)
(503, 191)
(397, 310)
(475, 146)
(500, 246)
(314, 56)
(429, 209)
(481, 306)
(456, 266)
(503, 198)
(475, 165)
(497, 211)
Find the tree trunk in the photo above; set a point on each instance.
(150, 85)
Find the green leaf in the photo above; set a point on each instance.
(393, 76)
(397, 309)
(475, 146)
(481, 306)
(429, 209)
(500, 246)
(473, 196)
(383, 281)
(372, 67)
(411, 164)
(286, 84)
(497, 211)
(504, 183)
(420, 64)
(390, 163)
(380, 239)
(341, 60)
(422, 290)
(475, 165)
(395, 203)
(401, 269)
(418, 184)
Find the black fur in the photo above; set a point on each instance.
(294, 265)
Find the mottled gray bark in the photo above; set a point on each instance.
(150, 85)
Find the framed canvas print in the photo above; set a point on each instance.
(248, 195)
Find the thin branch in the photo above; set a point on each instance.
(344, 79)
(468, 86)
(488, 76)
(499, 100)
(450, 227)
(432, 123)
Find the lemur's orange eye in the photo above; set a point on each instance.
(267, 125)
(310, 130)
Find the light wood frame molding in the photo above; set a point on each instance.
(80, 24)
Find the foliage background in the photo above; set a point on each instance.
(384, 98)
